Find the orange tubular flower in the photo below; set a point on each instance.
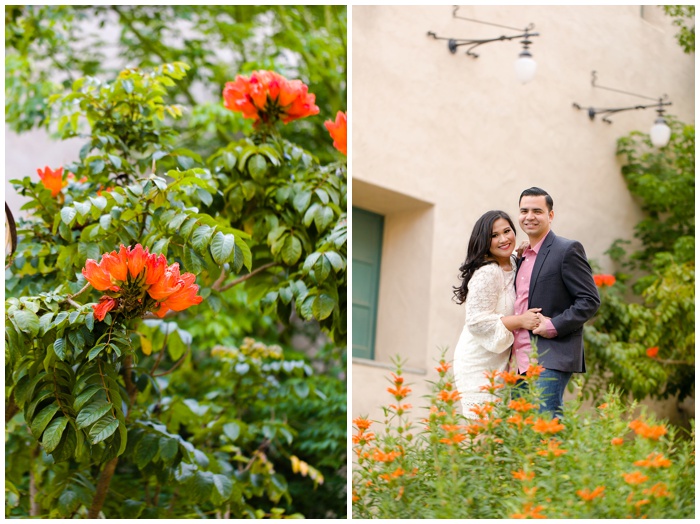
(617, 441)
(267, 96)
(521, 404)
(510, 378)
(650, 432)
(534, 370)
(635, 477)
(529, 512)
(443, 367)
(588, 495)
(657, 490)
(52, 179)
(552, 449)
(339, 131)
(362, 423)
(449, 396)
(137, 282)
(522, 475)
(542, 426)
(104, 306)
(652, 352)
(655, 460)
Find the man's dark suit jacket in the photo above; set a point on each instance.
(562, 285)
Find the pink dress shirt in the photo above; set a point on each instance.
(521, 344)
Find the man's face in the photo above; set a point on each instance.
(534, 217)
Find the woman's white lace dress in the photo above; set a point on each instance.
(485, 343)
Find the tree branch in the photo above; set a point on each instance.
(102, 488)
(11, 408)
(218, 287)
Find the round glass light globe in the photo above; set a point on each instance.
(525, 67)
(660, 133)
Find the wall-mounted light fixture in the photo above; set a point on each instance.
(660, 133)
(525, 65)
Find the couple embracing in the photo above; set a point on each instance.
(543, 294)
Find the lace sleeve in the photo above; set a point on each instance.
(483, 320)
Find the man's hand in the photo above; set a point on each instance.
(541, 330)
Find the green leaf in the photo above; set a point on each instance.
(223, 487)
(27, 321)
(68, 502)
(103, 428)
(232, 430)
(257, 167)
(59, 347)
(146, 450)
(168, 449)
(200, 237)
(221, 247)
(85, 396)
(97, 166)
(301, 201)
(322, 306)
(202, 484)
(42, 420)
(192, 261)
(92, 412)
(96, 351)
(52, 435)
(83, 208)
(291, 250)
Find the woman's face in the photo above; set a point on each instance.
(502, 239)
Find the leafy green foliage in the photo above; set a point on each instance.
(185, 416)
(662, 315)
(683, 17)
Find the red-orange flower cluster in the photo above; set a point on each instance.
(552, 448)
(520, 404)
(604, 280)
(529, 511)
(650, 432)
(544, 426)
(588, 495)
(52, 179)
(655, 460)
(635, 477)
(339, 131)
(267, 96)
(652, 352)
(135, 282)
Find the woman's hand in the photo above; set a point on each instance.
(521, 248)
(530, 319)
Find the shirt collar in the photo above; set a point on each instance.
(536, 248)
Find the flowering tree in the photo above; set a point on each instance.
(145, 369)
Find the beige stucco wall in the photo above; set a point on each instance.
(438, 139)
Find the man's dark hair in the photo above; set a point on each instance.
(536, 191)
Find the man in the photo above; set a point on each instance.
(553, 274)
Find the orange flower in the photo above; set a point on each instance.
(552, 449)
(449, 396)
(655, 460)
(652, 352)
(657, 490)
(517, 420)
(362, 423)
(617, 441)
(362, 438)
(104, 306)
(137, 282)
(491, 388)
(380, 456)
(52, 179)
(454, 439)
(400, 408)
(650, 432)
(529, 512)
(604, 280)
(510, 378)
(399, 392)
(339, 131)
(521, 404)
(635, 477)
(443, 367)
(481, 410)
(396, 474)
(267, 96)
(588, 495)
(542, 426)
(522, 475)
(534, 370)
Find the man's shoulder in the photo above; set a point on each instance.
(562, 242)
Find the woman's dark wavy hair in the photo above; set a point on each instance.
(477, 250)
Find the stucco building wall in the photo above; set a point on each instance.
(438, 139)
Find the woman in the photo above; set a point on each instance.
(488, 292)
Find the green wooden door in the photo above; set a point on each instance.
(367, 231)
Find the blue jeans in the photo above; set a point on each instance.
(553, 384)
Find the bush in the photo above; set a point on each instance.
(514, 463)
